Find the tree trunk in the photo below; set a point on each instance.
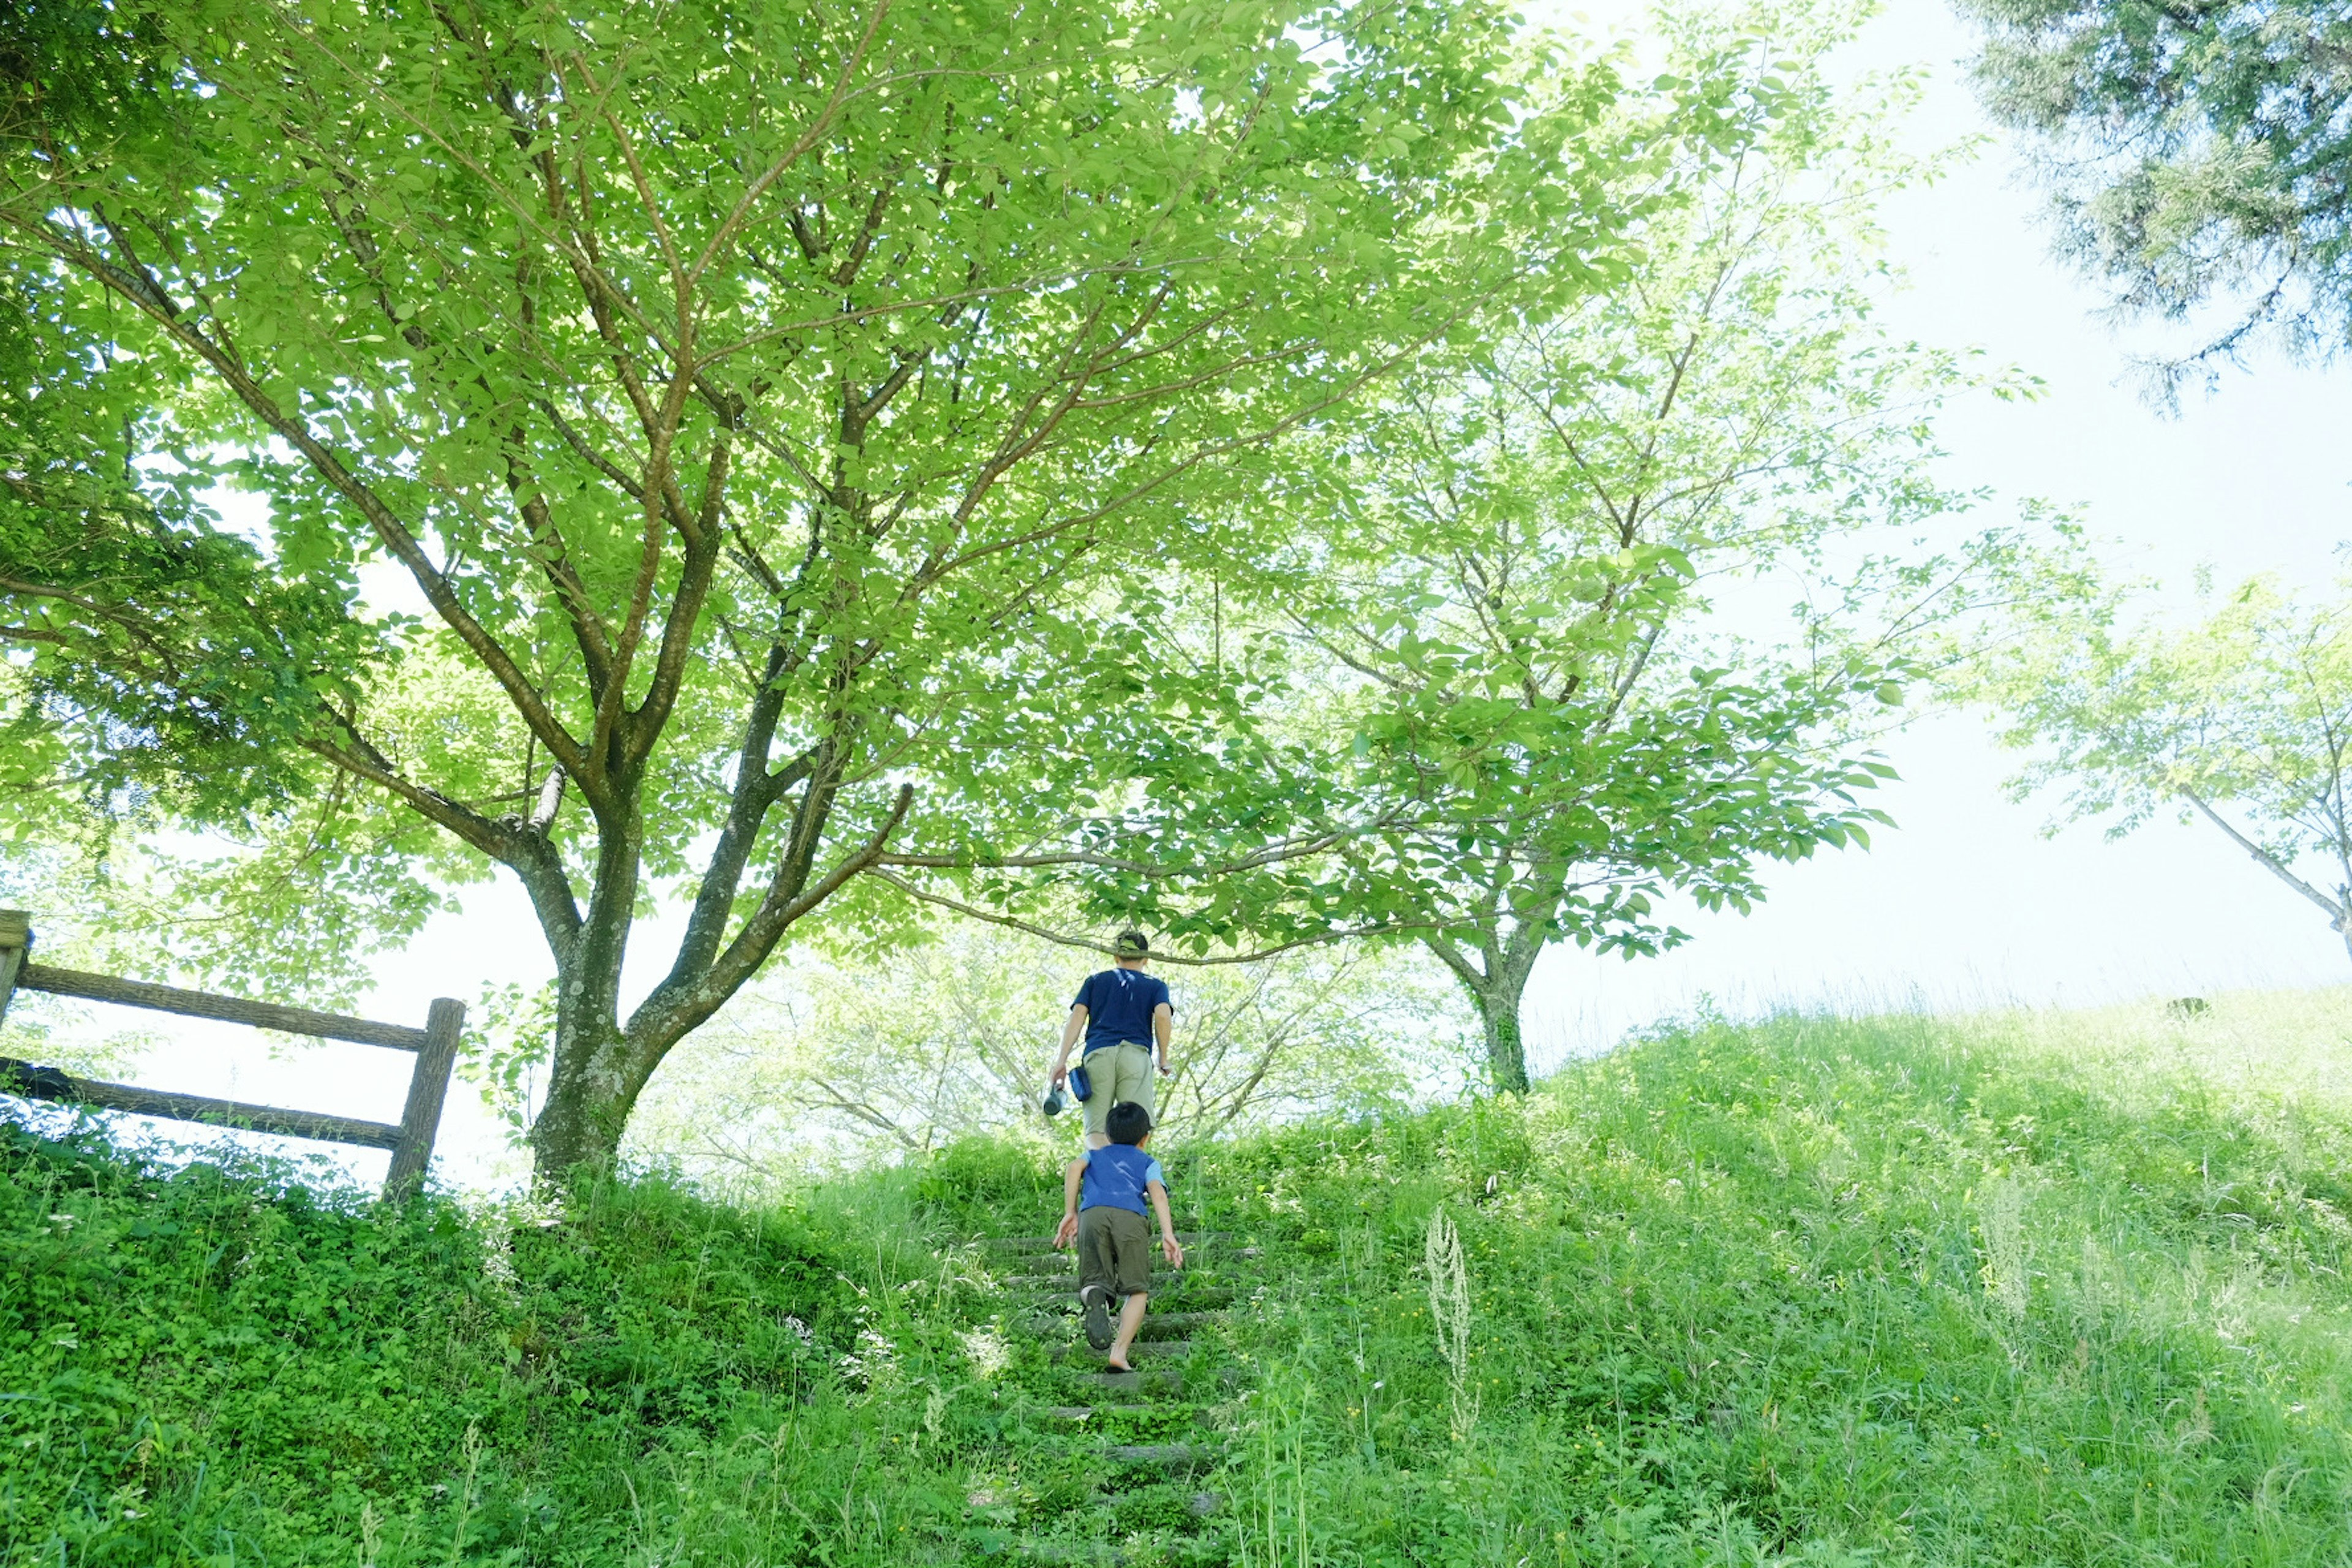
(586, 1109)
(575, 1127)
(600, 1066)
(1507, 1058)
(602, 1062)
(1496, 982)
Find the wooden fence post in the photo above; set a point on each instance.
(445, 1021)
(15, 941)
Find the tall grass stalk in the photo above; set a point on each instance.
(2001, 1217)
(1450, 1313)
(1276, 1531)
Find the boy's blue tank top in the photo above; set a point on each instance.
(1116, 1177)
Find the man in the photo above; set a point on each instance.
(1117, 1011)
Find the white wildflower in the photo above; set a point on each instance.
(986, 1348)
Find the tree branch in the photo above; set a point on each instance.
(141, 288)
(973, 912)
(668, 1014)
(2337, 914)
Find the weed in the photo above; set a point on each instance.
(2015, 1290)
(2000, 1213)
(1449, 1315)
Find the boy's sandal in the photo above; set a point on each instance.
(1097, 1301)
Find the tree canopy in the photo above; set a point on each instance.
(691, 454)
(1535, 668)
(2195, 148)
(2241, 719)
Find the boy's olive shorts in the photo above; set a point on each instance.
(1120, 1073)
(1115, 1250)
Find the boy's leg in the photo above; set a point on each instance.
(1130, 1319)
(1095, 1274)
(1130, 1250)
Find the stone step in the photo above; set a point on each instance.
(1198, 1551)
(1142, 1350)
(1088, 1412)
(1166, 1378)
(1181, 1293)
(1102, 1555)
(1060, 1551)
(1067, 1279)
(1188, 1238)
(1156, 1325)
(1168, 1456)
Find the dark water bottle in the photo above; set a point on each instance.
(1054, 1101)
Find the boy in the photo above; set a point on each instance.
(1113, 1256)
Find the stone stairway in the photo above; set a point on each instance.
(1132, 1454)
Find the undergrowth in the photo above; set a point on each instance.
(1815, 1290)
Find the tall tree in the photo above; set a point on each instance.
(1535, 672)
(742, 412)
(2195, 147)
(2241, 720)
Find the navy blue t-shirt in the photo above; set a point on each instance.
(1116, 1175)
(1119, 1004)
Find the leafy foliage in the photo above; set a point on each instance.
(2242, 719)
(1738, 1297)
(1527, 656)
(2065, 1288)
(753, 417)
(215, 1359)
(2195, 149)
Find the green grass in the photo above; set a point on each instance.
(2061, 1289)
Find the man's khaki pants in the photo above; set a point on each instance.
(1120, 1073)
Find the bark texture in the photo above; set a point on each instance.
(1495, 974)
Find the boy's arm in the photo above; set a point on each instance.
(1069, 1228)
(1168, 1248)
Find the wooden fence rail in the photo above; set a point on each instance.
(410, 1141)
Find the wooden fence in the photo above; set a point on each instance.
(410, 1141)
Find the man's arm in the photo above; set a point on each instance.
(1070, 1033)
(1071, 1175)
(1163, 1029)
(1168, 1248)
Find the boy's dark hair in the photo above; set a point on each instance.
(1128, 1123)
(1132, 944)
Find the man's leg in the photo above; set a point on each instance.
(1131, 1072)
(1099, 1104)
(1131, 1319)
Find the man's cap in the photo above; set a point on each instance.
(1132, 944)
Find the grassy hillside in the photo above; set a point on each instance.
(1993, 1291)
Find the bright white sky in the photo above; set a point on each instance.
(1967, 904)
